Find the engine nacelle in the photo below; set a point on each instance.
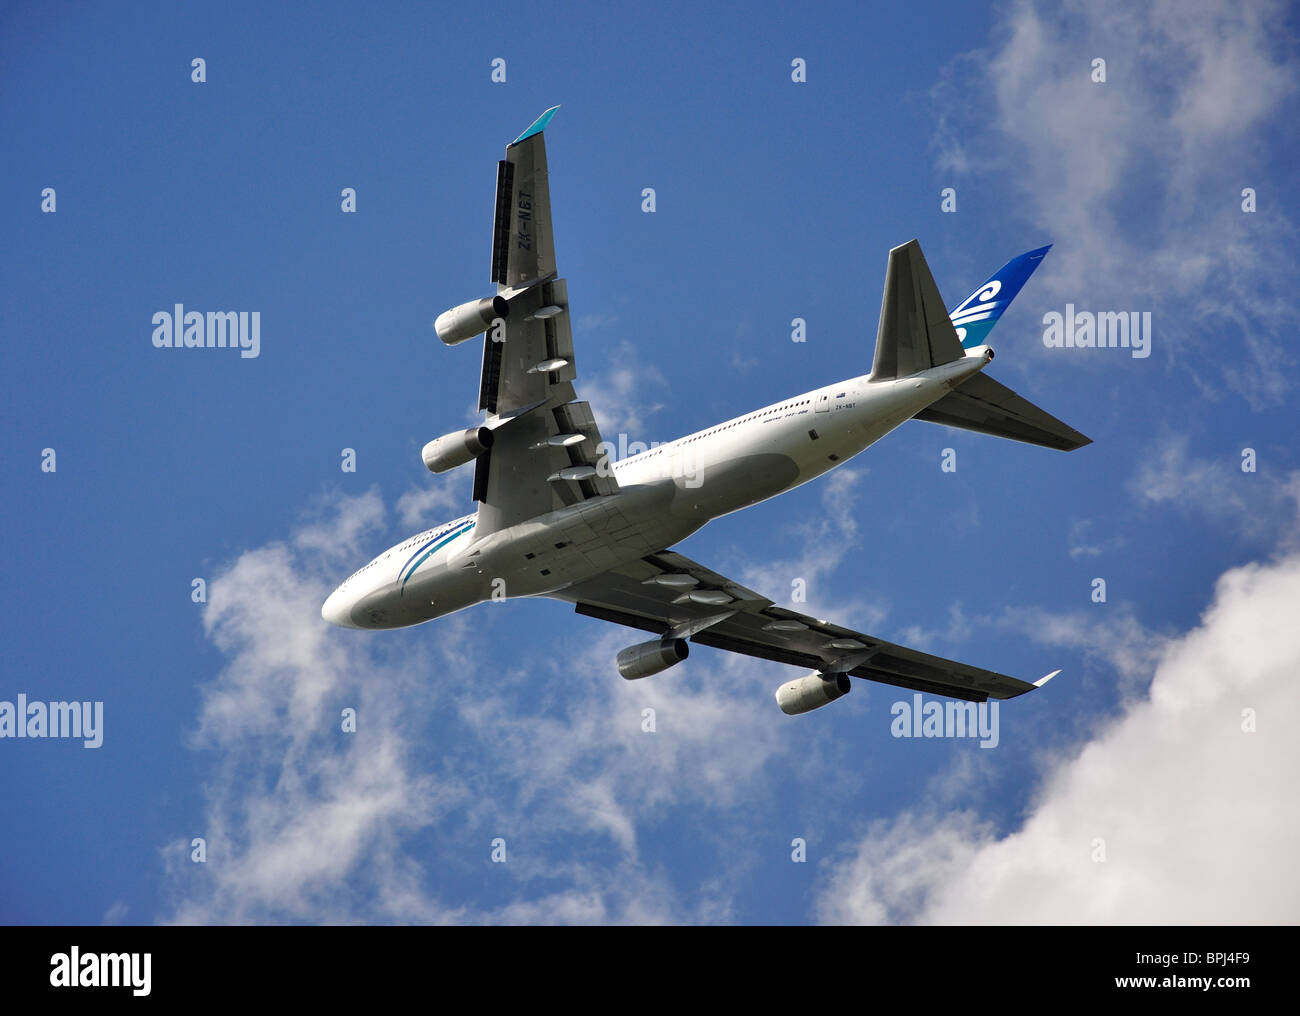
(469, 319)
(648, 658)
(452, 450)
(805, 694)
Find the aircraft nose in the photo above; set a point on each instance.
(337, 609)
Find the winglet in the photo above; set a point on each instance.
(1043, 680)
(975, 316)
(537, 125)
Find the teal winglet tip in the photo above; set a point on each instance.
(537, 125)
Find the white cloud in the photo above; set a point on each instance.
(304, 822)
(1198, 819)
(1116, 638)
(1082, 542)
(295, 805)
(1138, 179)
(419, 509)
(619, 396)
(335, 529)
(824, 540)
(1258, 504)
(931, 640)
(596, 322)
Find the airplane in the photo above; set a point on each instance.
(556, 518)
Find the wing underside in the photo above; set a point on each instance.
(672, 596)
(546, 447)
(546, 454)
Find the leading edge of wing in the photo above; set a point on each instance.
(537, 126)
(633, 596)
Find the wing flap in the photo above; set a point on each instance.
(577, 418)
(546, 448)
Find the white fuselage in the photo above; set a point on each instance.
(664, 495)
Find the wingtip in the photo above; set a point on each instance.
(537, 126)
(1043, 680)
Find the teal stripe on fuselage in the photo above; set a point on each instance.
(434, 549)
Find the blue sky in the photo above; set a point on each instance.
(775, 200)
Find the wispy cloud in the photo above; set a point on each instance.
(422, 508)
(1139, 178)
(1181, 810)
(1082, 542)
(1115, 639)
(824, 538)
(596, 322)
(305, 822)
(295, 805)
(1257, 505)
(625, 382)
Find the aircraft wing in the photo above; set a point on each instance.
(544, 452)
(670, 595)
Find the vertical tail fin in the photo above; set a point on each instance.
(975, 316)
(915, 332)
(982, 404)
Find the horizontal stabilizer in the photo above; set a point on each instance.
(915, 331)
(984, 405)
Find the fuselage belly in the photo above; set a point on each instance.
(665, 494)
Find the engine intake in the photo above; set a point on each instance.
(648, 658)
(452, 450)
(469, 319)
(805, 694)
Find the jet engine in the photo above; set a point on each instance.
(469, 319)
(805, 694)
(456, 449)
(648, 658)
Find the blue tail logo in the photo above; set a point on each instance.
(975, 317)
